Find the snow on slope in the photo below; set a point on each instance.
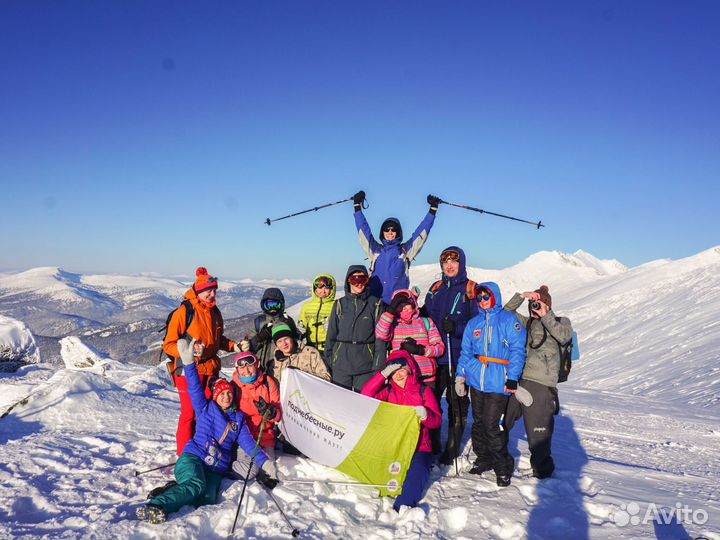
(17, 342)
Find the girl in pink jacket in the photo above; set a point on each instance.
(407, 330)
(399, 383)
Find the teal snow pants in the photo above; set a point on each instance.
(196, 485)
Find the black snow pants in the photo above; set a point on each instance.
(457, 408)
(539, 424)
(488, 436)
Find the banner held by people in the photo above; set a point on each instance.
(369, 440)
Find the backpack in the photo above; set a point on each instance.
(469, 288)
(568, 352)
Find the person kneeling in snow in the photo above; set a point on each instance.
(399, 383)
(291, 355)
(207, 456)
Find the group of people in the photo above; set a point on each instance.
(462, 344)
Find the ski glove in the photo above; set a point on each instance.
(421, 412)
(448, 325)
(185, 348)
(265, 334)
(358, 199)
(242, 465)
(391, 368)
(510, 386)
(412, 347)
(523, 396)
(243, 345)
(266, 410)
(267, 475)
(460, 388)
(434, 202)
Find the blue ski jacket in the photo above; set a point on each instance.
(494, 334)
(390, 261)
(451, 300)
(217, 429)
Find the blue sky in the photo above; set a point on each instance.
(158, 136)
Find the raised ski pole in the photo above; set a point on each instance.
(269, 221)
(481, 211)
(138, 473)
(295, 531)
(247, 476)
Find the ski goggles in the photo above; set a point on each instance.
(450, 255)
(245, 359)
(272, 305)
(358, 280)
(322, 283)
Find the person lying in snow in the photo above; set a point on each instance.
(208, 455)
(399, 383)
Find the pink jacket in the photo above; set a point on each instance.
(391, 327)
(415, 393)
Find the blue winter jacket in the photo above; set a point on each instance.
(210, 425)
(494, 333)
(451, 300)
(390, 261)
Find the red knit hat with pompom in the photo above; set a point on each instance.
(204, 280)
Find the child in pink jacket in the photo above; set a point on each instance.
(407, 330)
(399, 383)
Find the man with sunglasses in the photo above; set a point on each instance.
(273, 313)
(390, 258)
(450, 304)
(352, 350)
(492, 359)
(316, 311)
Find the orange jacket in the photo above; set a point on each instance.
(247, 394)
(206, 326)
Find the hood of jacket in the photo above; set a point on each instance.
(333, 288)
(495, 291)
(413, 380)
(355, 269)
(411, 296)
(273, 293)
(462, 272)
(398, 237)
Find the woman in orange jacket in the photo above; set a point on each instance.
(258, 396)
(199, 318)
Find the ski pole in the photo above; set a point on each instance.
(138, 473)
(333, 483)
(481, 211)
(453, 402)
(269, 221)
(247, 476)
(295, 531)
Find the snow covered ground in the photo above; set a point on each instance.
(638, 433)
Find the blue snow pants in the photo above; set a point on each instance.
(416, 481)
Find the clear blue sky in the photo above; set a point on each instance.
(156, 136)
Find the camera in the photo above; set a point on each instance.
(535, 306)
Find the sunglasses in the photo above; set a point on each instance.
(245, 361)
(449, 256)
(322, 283)
(484, 296)
(358, 280)
(390, 228)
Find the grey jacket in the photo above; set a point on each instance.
(351, 347)
(542, 363)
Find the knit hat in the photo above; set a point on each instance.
(204, 280)
(545, 297)
(220, 386)
(281, 331)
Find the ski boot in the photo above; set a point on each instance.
(151, 513)
(503, 480)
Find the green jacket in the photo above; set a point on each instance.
(315, 313)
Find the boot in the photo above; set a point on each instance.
(479, 468)
(151, 513)
(503, 480)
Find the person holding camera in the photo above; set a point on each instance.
(390, 258)
(491, 362)
(545, 333)
(450, 304)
